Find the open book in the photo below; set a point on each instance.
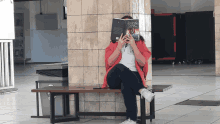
(120, 26)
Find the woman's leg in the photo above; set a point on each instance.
(131, 84)
(130, 78)
(113, 79)
(130, 101)
(115, 82)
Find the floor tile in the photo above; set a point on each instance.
(173, 99)
(32, 121)
(165, 69)
(157, 121)
(211, 108)
(104, 122)
(167, 116)
(217, 122)
(205, 113)
(216, 92)
(178, 109)
(25, 112)
(3, 122)
(160, 106)
(187, 122)
(207, 97)
(2, 112)
(190, 93)
(161, 95)
(198, 118)
(8, 117)
(81, 121)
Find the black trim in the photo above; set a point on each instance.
(64, 14)
(103, 113)
(53, 72)
(42, 62)
(49, 81)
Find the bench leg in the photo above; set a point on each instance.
(152, 109)
(76, 105)
(143, 111)
(64, 105)
(37, 100)
(52, 108)
(67, 105)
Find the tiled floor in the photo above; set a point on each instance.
(183, 69)
(16, 108)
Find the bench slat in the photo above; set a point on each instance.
(90, 89)
(74, 89)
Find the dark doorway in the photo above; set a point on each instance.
(163, 36)
(193, 33)
(200, 32)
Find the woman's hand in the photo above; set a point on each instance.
(131, 40)
(122, 41)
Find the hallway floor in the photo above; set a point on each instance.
(17, 107)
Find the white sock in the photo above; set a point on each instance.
(143, 90)
(131, 120)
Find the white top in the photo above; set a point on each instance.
(128, 58)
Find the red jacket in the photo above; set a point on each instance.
(143, 50)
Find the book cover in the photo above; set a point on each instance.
(125, 26)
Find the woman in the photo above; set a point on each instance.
(124, 60)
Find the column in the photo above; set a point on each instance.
(89, 24)
(217, 37)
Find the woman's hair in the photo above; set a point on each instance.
(141, 38)
(128, 17)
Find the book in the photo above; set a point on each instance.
(120, 26)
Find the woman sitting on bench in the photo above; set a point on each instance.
(124, 60)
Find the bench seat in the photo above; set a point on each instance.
(65, 91)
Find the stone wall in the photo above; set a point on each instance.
(217, 37)
(89, 28)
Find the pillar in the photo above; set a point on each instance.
(217, 36)
(89, 25)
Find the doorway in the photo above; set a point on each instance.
(187, 49)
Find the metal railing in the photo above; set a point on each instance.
(6, 64)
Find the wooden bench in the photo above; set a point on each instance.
(65, 91)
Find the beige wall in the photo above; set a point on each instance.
(44, 45)
(89, 29)
(217, 37)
